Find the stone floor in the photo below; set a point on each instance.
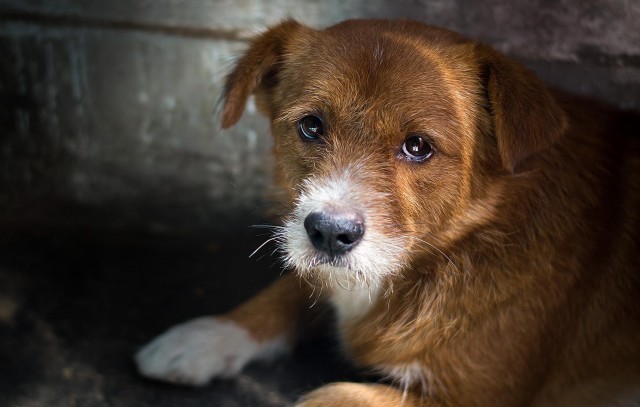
(74, 307)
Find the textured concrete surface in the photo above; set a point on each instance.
(122, 120)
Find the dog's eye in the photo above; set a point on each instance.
(310, 127)
(417, 148)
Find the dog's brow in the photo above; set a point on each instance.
(294, 113)
(289, 115)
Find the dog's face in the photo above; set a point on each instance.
(392, 139)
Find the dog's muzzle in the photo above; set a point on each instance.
(334, 232)
(338, 230)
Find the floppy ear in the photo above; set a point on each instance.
(526, 118)
(256, 67)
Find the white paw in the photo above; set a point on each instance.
(196, 351)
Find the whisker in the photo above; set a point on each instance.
(439, 251)
(315, 301)
(261, 257)
(282, 269)
(342, 286)
(262, 245)
(266, 227)
(263, 234)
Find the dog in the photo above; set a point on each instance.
(475, 231)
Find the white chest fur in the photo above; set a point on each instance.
(351, 304)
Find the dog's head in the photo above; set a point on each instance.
(391, 137)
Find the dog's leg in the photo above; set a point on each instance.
(361, 395)
(194, 352)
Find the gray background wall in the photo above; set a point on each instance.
(107, 108)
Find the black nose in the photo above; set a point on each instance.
(334, 232)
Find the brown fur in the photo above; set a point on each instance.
(521, 282)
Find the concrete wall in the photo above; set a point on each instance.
(107, 108)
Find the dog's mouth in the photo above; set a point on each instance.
(324, 260)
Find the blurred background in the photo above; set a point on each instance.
(123, 206)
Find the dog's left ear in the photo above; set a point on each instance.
(526, 118)
(256, 68)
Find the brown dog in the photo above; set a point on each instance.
(476, 233)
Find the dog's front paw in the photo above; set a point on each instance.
(196, 351)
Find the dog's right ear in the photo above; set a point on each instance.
(256, 68)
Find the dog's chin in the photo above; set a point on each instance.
(330, 270)
(338, 276)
